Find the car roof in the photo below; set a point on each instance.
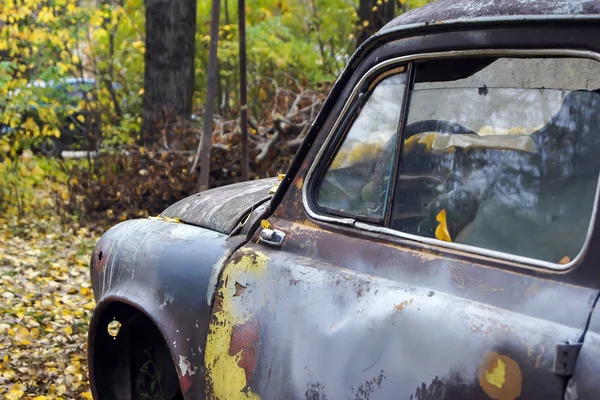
(450, 10)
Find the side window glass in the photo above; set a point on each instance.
(502, 154)
(358, 177)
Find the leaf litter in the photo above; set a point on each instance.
(46, 302)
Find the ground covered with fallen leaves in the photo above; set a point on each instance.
(46, 303)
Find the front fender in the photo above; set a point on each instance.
(168, 271)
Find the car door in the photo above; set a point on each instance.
(418, 256)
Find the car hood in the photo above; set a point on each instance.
(221, 209)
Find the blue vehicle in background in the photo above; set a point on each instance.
(80, 130)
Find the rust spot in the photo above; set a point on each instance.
(310, 224)
(299, 182)
(403, 305)
(239, 289)
(427, 255)
(186, 382)
(244, 340)
(217, 303)
(500, 376)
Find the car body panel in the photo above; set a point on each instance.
(332, 316)
(338, 312)
(168, 271)
(222, 209)
(342, 312)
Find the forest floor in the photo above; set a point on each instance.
(46, 302)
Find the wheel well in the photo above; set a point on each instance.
(130, 358)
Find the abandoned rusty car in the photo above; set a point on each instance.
(436, 235)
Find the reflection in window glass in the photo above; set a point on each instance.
(500, 159)
(358, 177)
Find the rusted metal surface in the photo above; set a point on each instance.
(443, 10)
(336, 312)
(348, 318)
(221, 209)
(168, 271)
(350, 314)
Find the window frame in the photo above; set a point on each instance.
(351, 108)
(366, 89)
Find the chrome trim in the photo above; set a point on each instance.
(529, 262)
(272, 237)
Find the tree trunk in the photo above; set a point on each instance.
(206, 141)
(372, 17)
(243, 89)
(169, 62)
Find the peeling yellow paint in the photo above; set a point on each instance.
(167, 219)
(498, 374)
(226, 378)
(306, 226)
(299, 183)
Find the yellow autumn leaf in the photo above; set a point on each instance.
(441, 232)
(266, 224)
(262, 94)
(15, 393)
